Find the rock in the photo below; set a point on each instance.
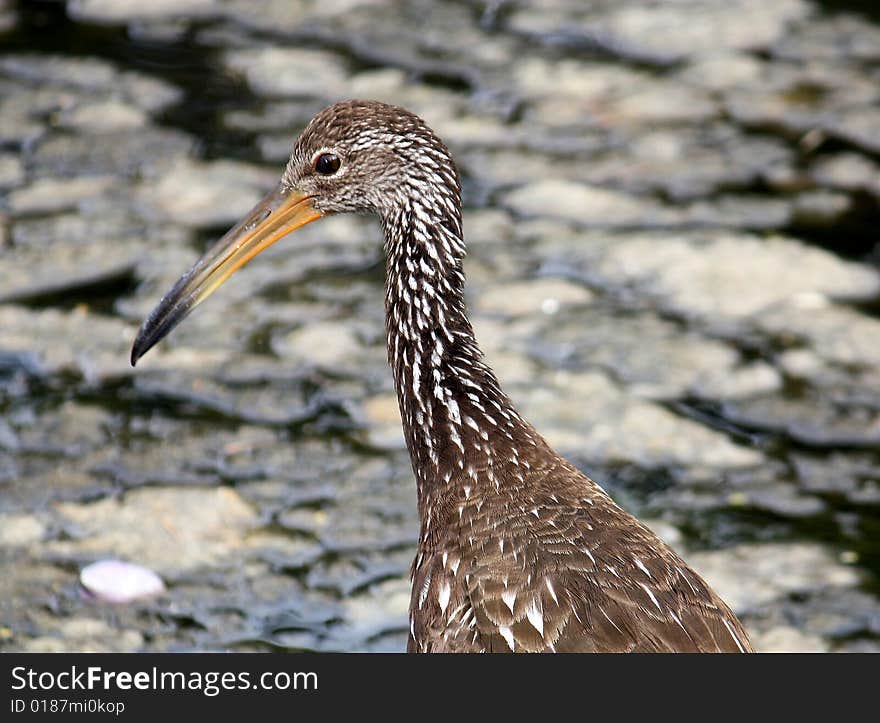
(748, 576)
(662, 103)
(781, 500)
(719, 71)
(733, 276)
(92, 76)
(685, 167)
(841, 38)
(252, 404)
(114, 12)
(821, 209)
(587, 415)
(662, 34)
(584, 204)
(487, 227)
(71, 429)
(96, 223)
(95, 348)
(147, 153)
(86, 635)
(84, 74)
(8, 16)
(670, 534)
(104, 116)
(838, 334)
(859, 126)
(256, 456)
(506, 347)
(385, 607)
(19, 530)
(849, 172)
(50, 195)
(329, 345)
(838, 474)
(537, 296)
(217, 193)
(811, 419)
(11, 171)
(654, 358)
(383, 418)
(703, 28)
(169, 530)
(785, 639)
(279, 72)
(745, 212)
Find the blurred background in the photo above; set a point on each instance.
(672, 211)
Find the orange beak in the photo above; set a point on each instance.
(282, 211)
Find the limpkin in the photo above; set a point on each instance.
(518, 550)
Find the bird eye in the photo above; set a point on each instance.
(327, 164)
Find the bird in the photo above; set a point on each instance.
(518, 550)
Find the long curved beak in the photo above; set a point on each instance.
(282, 211)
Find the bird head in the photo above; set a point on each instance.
(355, 156)
(368, 157)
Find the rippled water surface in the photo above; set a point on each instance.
(672, 215)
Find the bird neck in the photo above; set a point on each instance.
(461, 430)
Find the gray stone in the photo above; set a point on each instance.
(146, 153)
(586, 415)
(537, 296)
(838, 334)
(104, 116)
(786, 639)
(27, 274)
(814, 419)
(733, 276)
(748, 576)
(210, 194)
(125, 11)
(704, 28)
(11, 170)
(278, 72)
(329, 345)
(19, 530)
(94, 347)
(849, 172)
(860, 126)
(49, 195)
(382, 417)
(169, 530)
(94, 76)
(669, 33)
(86, 635)
(839, 37)
(652, 357)
(584, 204)
(822, 209)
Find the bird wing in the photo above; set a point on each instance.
(565, 578)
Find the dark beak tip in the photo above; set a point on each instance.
(139, 347)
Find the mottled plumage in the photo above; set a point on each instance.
(518, 550)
